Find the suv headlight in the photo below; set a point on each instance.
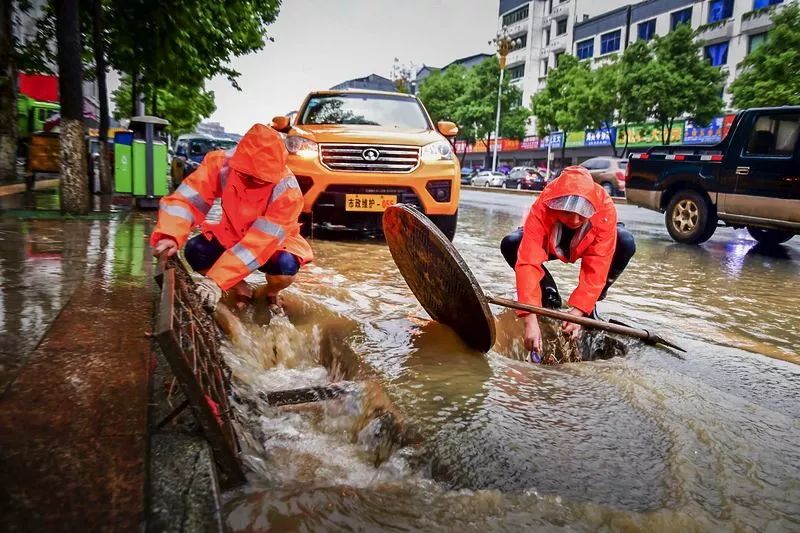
(437, 151)
(305, 148)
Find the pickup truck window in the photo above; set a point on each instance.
(374, 110)
(774, 135)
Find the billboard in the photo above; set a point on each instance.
(601, 137)
(708, 134)
(649, 134)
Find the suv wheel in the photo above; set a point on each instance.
(446, 224)
(519, 186)
(609, 187)
(769, 237)
(690, 217)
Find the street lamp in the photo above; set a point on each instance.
(504, 44)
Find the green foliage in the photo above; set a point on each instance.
(183, 106)
(185, 41)
(682, 82)
(440, 92)
(771, 74)
(469, 98)
(561, 104)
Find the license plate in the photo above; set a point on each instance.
(368, 202)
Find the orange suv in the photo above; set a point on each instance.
(356, 152)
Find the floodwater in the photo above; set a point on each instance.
(435, 436)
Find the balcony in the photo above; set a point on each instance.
(513, 30)
(757, 20)
(517, 56)
(716, 31)
(558, 44)
(560, 10)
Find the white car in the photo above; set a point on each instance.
(488, 178)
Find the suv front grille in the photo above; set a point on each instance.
(369, 157)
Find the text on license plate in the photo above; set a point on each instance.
(369, 202)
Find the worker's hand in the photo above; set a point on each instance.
(166, 247)
(209, 293)
(571, 329)
(533, 336)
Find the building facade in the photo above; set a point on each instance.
(373, 82)
(729, 29)
(466, 62)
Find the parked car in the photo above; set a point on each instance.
(608, 172)
(466, 175)
(525, 178)
(749, 180)
(356, 152)
(487, 178)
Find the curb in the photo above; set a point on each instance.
(16, 188)
(621, 201)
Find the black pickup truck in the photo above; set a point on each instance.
(749, 180)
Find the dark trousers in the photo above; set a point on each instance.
(202, 253)
(626, 247)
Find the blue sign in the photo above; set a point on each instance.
(554, 140)
(711, 134)
(602, 137)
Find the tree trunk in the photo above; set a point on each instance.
(669, 130)
(134, 93)
(106, 186)
(8, 97)
(625, 149)
(74, 181)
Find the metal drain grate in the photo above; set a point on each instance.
(189, 338)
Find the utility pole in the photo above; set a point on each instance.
(504, 44)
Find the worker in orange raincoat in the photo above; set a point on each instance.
(258, 228)
(573, 218)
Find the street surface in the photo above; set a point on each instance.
(650, 441)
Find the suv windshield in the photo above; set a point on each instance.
(369, 110)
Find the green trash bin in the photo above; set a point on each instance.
(123, 161)
(149, 170)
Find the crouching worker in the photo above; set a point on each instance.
(573, 218)
(258, 229)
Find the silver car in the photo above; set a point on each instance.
(487, 178)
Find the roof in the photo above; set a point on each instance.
(467, 59)
(148, 119)
(361, 91)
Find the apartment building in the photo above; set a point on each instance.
(544, 29)
(729, 29)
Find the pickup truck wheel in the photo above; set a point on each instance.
(446, 224)
(690, 217)
(770, 237)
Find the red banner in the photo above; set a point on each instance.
(40, 87)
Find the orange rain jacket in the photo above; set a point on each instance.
(261, 202)
(594, 243)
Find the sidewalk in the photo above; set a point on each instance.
(74, 373)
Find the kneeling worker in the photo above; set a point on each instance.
(258, 229)
(573, 218)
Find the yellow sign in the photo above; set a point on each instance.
(369, 202)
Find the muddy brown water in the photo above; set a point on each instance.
(642, 442)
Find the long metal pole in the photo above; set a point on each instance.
(549, 145)
(646, 336)
(497, 120)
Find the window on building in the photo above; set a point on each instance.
(755, 41)
(585, 49)
(516, 15)
(758, 4)
(522, 41)
(609, 42)
(561, 27)
(549, 6)
(515, 73)
(720, 10)
(684, 16)
(558, 57)
(547, 36)
(717, 54)
(545, 67)
(647, 29)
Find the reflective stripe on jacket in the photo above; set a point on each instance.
(593, 244)
(261, 202)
